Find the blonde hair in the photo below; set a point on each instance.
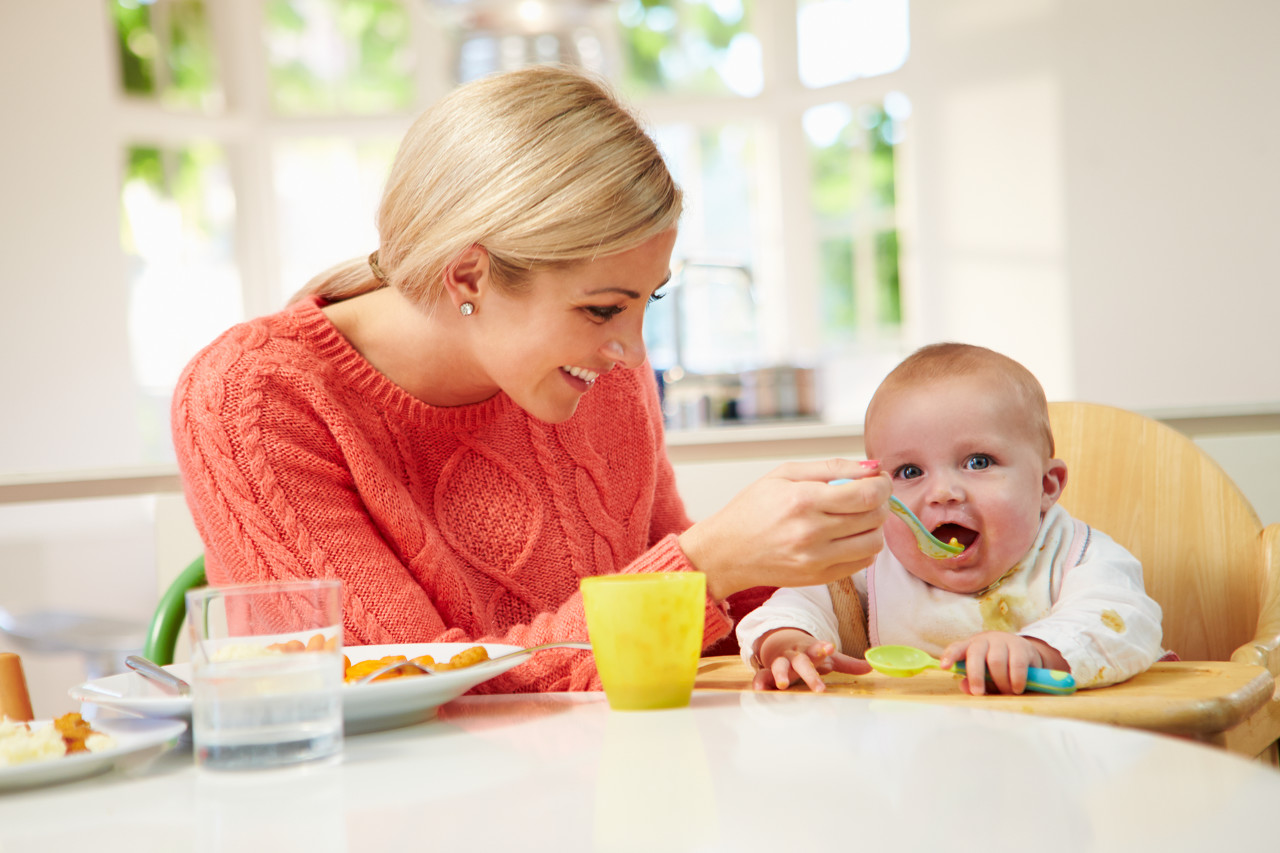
(542, 167)
(951, 360)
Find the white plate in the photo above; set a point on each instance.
(365, 707)
(130, 735)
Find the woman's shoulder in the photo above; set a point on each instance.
(296, 328)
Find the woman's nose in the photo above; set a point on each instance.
(626, 349)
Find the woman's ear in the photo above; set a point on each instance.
(467, 276)
(1053, 482)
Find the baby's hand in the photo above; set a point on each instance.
(1001, 657)
(788, 655)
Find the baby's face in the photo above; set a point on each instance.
(966, 458)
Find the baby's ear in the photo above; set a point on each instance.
(1053, 482)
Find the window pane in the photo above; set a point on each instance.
(841, 40)
(853, 195)
(690, 46)
(712, 288)
(339, 56)
(166, 52)
(178, 235)
(327, 193)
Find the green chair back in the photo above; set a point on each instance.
(162, 636)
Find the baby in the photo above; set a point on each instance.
(964, 432)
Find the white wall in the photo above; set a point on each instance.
(66, 392)
(1097, 180)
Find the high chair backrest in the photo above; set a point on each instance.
(1206, 557)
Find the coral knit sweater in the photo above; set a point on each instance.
(460, 524)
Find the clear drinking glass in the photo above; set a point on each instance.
(266, 673)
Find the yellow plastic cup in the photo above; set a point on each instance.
(646, 635)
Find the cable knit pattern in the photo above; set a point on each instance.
(462, 524)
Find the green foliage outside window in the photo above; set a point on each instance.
(180, 176)
(673, 44)
(852, 194)
(166, 52)
(369, 72)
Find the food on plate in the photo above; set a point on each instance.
(317, 643)
(69, 734)
(467, 657)
(354, 672)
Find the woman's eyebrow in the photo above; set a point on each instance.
(630, 294)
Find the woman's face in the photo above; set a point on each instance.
(966, 457)
(545, 345)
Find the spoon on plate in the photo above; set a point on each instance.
(930, 545)
(905, 661)
(153, 671)
(565, 644)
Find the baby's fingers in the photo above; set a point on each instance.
(808, 673)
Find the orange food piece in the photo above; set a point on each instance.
(467, 657)
(75, 730)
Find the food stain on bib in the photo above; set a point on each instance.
(1000, 613)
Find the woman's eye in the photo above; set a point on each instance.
(656, 296)
(978, 462)
(908, 472)
(604, 312)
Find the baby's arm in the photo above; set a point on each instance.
(1103, 623)
(788, 655)
(796, 622)
(1001, 657)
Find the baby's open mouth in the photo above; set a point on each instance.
(963, 535)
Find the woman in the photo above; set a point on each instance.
(464, 425)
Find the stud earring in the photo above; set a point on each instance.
(467, 309)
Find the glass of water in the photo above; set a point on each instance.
(266, 674)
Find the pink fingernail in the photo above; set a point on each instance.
(870, 463)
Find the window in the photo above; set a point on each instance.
(853, 160)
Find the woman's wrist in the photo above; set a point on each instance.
(701, 554)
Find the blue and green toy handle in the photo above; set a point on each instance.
(1039, 680)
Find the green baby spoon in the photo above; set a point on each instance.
(929, 544)
(905, 661)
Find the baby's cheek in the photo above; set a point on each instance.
(899, 541)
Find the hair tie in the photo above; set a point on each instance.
(377, 270)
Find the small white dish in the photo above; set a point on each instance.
(130, 736)
(365, 707)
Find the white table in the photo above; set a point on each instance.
(735, 771)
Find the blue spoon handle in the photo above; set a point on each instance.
(1040, 680)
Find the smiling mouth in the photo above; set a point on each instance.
(587, 376)
(963, 535)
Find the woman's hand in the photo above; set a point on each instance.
(1001, 657)
(788, 655)
(792, 528)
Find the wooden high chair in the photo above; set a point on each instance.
(1207, 559)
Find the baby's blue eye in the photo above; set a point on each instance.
(908, 472)
(978, 462)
